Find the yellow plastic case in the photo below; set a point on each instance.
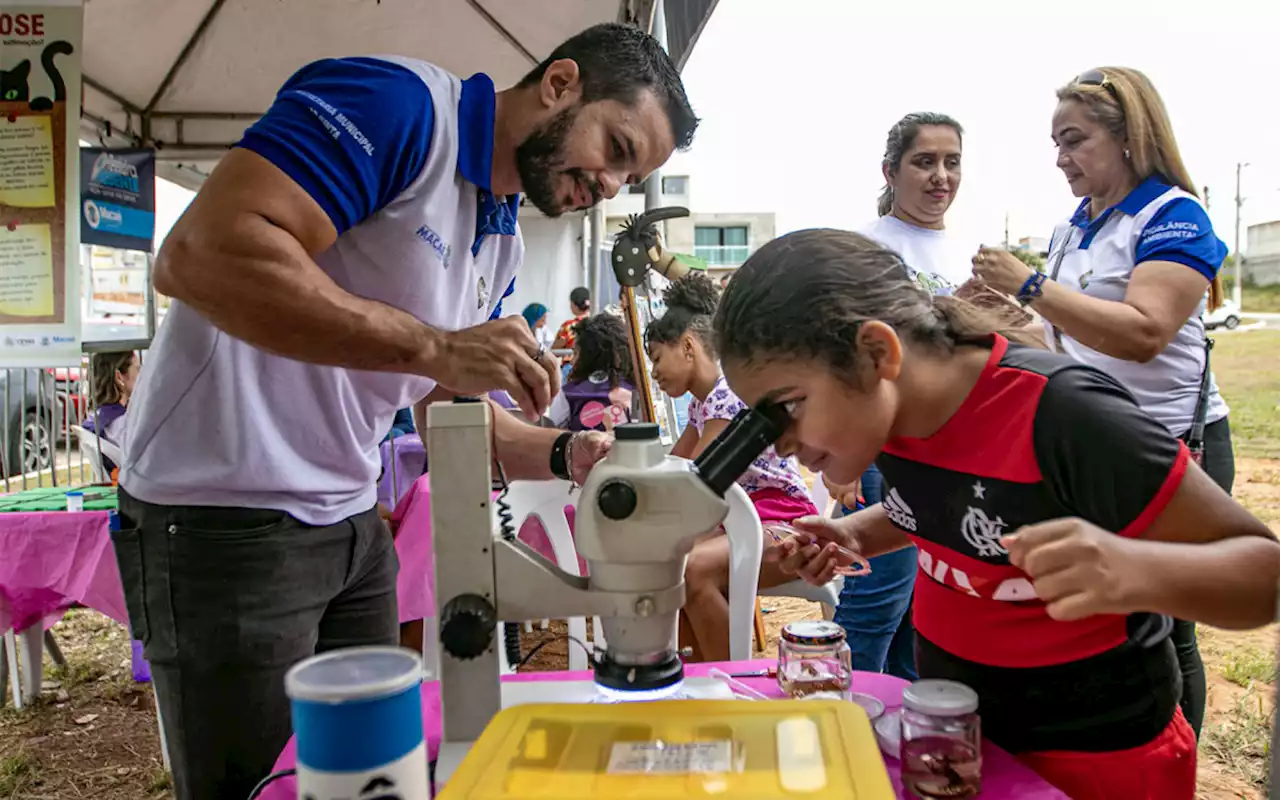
(775, 750)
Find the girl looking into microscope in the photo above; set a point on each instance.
(1059, 526)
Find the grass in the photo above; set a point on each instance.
(1249, 665)
(1242, 741)
(1260, 298)
(13, 771)
(1248, 372)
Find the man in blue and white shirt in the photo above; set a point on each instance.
(344, 261)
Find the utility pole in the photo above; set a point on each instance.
(1238, 271)
(1206, 198)
(1006, 230)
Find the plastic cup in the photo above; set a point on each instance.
(357, 718)
(75, 501)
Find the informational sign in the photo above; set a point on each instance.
(40, 42)
(118, 198)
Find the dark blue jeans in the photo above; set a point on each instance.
(875, 610)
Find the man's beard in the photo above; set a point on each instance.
(540, 161)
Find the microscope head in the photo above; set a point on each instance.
(639, 515)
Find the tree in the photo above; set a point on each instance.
(1031, 259)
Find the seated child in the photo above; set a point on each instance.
(598, 392)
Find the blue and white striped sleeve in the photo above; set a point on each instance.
(1182, 233)
(352, 132)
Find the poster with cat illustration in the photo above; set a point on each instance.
(40, 43)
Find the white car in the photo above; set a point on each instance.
(1227, 316)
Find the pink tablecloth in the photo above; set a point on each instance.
(415, 588)
(1002, 775)
(50, 560)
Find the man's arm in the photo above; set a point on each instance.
(329, 153)
(242, 255)
(524, 450)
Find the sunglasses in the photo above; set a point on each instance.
(1096, 77)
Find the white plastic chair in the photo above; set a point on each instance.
(744, 570)
(545, 501)
(92, 453)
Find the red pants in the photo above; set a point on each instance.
(1162, 769)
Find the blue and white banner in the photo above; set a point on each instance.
(118, 198)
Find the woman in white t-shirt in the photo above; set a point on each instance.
(921, 169)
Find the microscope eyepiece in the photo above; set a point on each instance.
(747, 436)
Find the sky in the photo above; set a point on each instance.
(796, 99)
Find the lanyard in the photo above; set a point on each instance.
(1053, 276)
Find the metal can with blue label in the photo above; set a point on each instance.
(357, 718)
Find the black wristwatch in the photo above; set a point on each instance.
(559, 465)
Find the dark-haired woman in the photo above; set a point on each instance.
(922, 171)
(114, 377)
(1128, 276)
(598, 393)
(684, 360)
(1057, 522)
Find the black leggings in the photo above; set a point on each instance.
(1220, 465)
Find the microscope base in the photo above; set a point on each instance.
(519, 693)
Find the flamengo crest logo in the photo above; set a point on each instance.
(899, 512)
(983, 533)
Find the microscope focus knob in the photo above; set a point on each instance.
(467, 623)
(617, 499)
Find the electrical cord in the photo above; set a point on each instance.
(507, 530)
(270, 779)
(556, 638)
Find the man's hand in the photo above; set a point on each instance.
(1077, 568)
(501, 354)
(587, 448)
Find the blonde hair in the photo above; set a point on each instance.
(1127, 104)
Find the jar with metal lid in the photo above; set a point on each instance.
(813, 657)
(941, 740)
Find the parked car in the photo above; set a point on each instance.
(1227, 316)
(30, 436)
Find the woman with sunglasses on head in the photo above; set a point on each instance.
(1127, 278)
(921, 168)
(1057, 522)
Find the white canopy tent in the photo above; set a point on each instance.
(188, 76)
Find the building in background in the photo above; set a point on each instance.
(1261, 265)
(1034, 244)
(722, 239)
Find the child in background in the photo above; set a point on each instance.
(684, 360)
(598, 393)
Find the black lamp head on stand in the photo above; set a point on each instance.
(638, 248)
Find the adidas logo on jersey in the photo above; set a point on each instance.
(899, 512)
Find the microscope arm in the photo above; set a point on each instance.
(533, 588)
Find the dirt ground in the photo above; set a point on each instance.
(93, 732)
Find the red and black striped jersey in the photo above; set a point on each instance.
(1040, 437)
